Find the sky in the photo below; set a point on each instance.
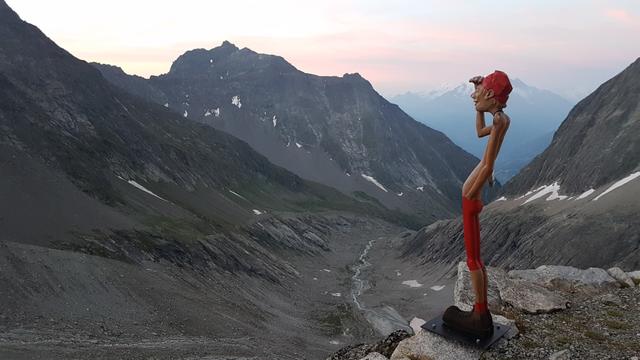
(569, 47)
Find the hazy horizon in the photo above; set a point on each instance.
(568, 48)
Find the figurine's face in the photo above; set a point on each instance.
(483, 98)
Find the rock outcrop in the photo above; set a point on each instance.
(518, 294)
(567, 277)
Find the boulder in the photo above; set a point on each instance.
(530, 297)
(635, 276)
(427, 345)
(622, 277)
(463, 294)
(567, 277)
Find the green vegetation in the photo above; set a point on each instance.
(618, 325)
(595, 335)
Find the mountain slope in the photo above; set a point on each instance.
(536, 113)
(595, 144)
(335, 130)
(122, 221)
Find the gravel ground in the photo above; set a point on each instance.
(602, 326)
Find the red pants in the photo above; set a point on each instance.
(471, 226)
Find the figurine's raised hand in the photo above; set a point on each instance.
(476, 80)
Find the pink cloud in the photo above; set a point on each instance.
(621, 16)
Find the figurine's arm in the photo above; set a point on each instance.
(489, 158)
(480, 127)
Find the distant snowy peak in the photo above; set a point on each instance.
(464, 89)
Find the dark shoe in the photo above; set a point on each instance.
(469, 322)
(452, 313)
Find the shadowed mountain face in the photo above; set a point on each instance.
(335, 130)
(535, 115)
(123, 220)
(59, 111)
(595, 144)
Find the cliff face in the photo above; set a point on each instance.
(335, 130)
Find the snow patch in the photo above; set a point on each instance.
(140, 187)
(411, 283)
(398, 273)
(544, 190)
(618, 184)
(236, 101)
(214, 112)
(437, 287)
(531, 191)
(166, 105)
(336, 294)
(186, 113)
(374, 181)
(400, 193)
(327, 270)
(275, 121)
(501, 199)
(585, 194)
(298, 145)
(421, 188)
(238, 195)
(257, 212)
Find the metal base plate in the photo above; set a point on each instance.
(436, 325)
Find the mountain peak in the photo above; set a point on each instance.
(228, 45)
(352, 75)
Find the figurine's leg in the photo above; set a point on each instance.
(471, 227)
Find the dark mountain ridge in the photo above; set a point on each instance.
(335, 130)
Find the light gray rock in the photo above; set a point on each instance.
(463, 294)
(416, 324)
(621, 276)
(530, 297)
(426, 345)
(561, 355)
(567, 277)
(374, 356)
(635, 276)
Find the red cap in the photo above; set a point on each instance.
(499, 82)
